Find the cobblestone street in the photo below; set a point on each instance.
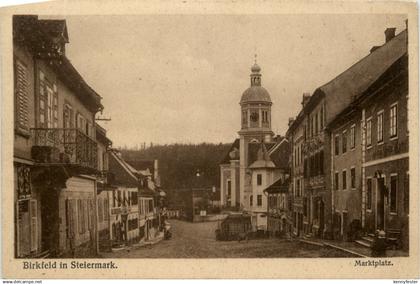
(197, 240)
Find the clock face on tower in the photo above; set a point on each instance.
(254, 116)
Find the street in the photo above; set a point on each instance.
(197, 240)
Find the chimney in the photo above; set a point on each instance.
(305, 99)
(291, 120)
(389, 34)
(155, 170)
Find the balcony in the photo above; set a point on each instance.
(64, 146)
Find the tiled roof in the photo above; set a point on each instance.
(356, 79)
(362, 74)
(226, 159)
(280, 186)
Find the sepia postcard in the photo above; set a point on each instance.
(210, 139)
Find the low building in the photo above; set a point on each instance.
(124, 208)
(152, 198)
(267, 166)
(278, 221)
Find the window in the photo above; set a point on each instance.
(119, 199)
(100, 211)
(352, 137)
(337, 144)
(71, 217)
(344, 142)
(244, 117)
(229, 188)
(251, 201)
(321, 162)
(259, 200)
(344, 179)
(353, 177)
(407, 193)
(393, 195)
(47, 103)
(336, 181)
(81, 123)
(369, 132)
(393, 121)
(380, 127)
(316, 123)
(134, 199)
(259, 179)
(21, 97)
(369, 194)
(265, 116)
(68, 116)
(81, 216)
(298, 187)
(106, 209)
(150, 205)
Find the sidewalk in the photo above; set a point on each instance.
(351, 247)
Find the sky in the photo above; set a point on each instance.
(179, 78)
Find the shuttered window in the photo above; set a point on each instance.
(71, 220)
(100, 211)
(106, 210)
(80, 215)
(34, 225)
(47, 103)
(21, 97)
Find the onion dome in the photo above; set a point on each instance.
(255, 93)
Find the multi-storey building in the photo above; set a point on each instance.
(346, 171)
(385, 151)
(55, 151)
(370, 149)
(104, 189)
(318, 111)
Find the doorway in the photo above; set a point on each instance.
(50, 220)
(380, 204)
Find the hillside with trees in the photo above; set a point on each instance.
(178, 163)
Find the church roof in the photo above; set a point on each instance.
(227, 157)
(255, 94)
(263, 159)
(253, 149)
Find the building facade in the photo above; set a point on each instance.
(278, 219)
(385, 154)
(55, 146)
(325, 165)
(256, 159)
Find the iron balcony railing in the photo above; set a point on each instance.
(64, 145)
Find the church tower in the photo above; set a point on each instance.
(255, 127)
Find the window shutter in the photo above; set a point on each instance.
(21, 96)
(34, 225)
(55, 106)
(42, 101)
(100, 210)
